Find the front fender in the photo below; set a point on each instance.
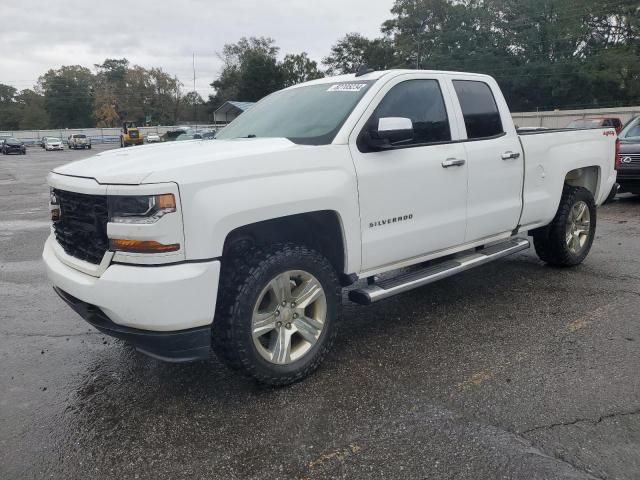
(322, 178)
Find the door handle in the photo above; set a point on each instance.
(510, 155)
(453, 162)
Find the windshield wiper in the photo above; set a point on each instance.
(251, 135)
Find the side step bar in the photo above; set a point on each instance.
(408, 281)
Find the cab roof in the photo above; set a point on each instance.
(378, 74)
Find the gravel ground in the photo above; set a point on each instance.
(513, 370)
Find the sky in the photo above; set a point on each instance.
(166, 34)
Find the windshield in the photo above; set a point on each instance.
(309, 115)
(79, 136)
(586, 123)
(51, 139)
(632, 130)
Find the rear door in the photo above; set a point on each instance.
(413, 197)
(494, 158)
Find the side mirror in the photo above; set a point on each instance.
(390, 132)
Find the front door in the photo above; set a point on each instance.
(413, 197)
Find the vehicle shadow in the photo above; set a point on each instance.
(449, 306)
(424, 339)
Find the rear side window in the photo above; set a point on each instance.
(420, 101)
(479, 108)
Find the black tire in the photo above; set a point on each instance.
(550, 242)
(243, 278)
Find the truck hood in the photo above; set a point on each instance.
(165, 162)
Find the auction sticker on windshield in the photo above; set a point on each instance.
(346, 87)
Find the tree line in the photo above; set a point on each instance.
(74, 96)
(545, 54)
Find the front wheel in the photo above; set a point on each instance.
(277, 313)
(567, 240)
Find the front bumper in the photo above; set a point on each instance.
(159, 300)
(629, 180)
(181, 346)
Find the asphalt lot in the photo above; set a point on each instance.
(514, 370)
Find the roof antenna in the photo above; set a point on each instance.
(363, 70)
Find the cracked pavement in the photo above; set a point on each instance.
(513, 370)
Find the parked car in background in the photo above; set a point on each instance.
(172, 135)
(209, 135)
(52, 143)
(188, 136)
(13, 145)
(629, 169)
(153, 138)
(79, 140)
(597, 122)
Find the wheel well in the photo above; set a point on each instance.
(320, 230)
(587, 177)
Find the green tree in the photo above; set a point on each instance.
(165, 98)
(298, 68)
(111, 97)
(543, 53)
(33, 115)
(9, 114)
(193, 108)
(355, 50)
(68, 96)
(250, 71)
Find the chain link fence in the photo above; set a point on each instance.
(97, 135)
(562, 118)
(553, 119)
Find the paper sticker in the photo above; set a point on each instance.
(346, 87)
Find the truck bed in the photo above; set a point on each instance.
(549, 155)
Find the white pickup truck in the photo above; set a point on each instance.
(244, 244)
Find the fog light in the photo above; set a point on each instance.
(142, 246)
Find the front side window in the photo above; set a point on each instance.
(479, 108)
(420, 101)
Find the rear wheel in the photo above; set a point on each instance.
(567, 240)
(277, 313)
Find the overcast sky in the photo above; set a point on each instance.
(47, 34)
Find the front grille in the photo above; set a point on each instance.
(634, 157)
(82, 228)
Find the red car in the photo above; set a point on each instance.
(597, 122)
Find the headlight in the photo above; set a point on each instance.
(143, 209)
